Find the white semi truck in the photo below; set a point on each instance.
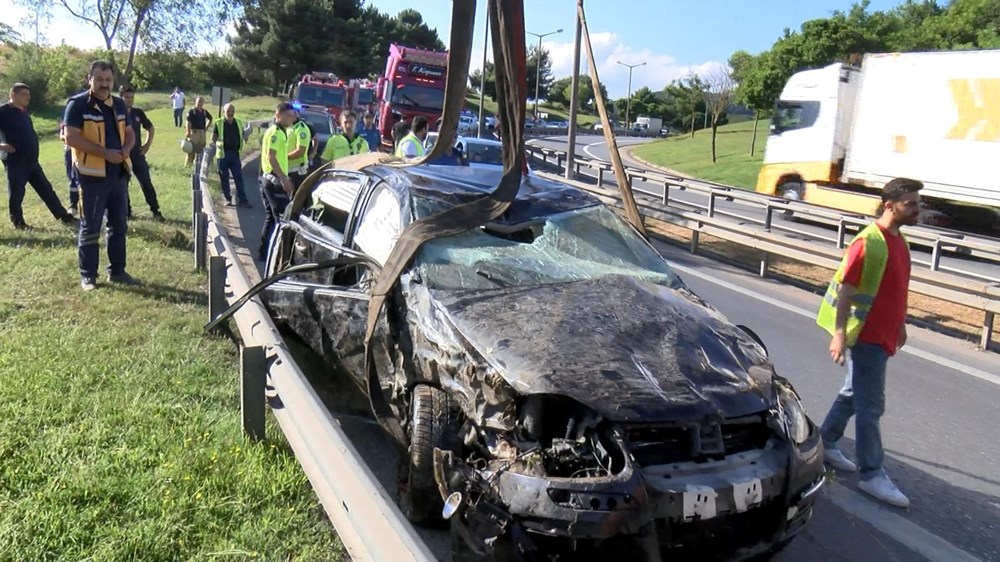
(840, 133)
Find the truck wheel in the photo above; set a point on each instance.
(432, 424)
(793, 191)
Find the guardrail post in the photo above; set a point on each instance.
(600, 176)
(987, 335)
(936, 255)
(694, 241)
(200, 240)
(666, 193)
(253, 375)
(768, 217)
(711, 204)
(841, 233)
(765, 261)
(216, 286)
(559, 163)
(576, 168)
(631, 179)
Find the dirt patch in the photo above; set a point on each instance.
(957, 320)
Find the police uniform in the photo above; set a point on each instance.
(140, 168)
(271, 192)
(339, 146)
(299, 135)
(103, 185)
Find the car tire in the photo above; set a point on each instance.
(433, 424)
(793, 191)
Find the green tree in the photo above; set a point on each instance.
(558, 90)
(408, 28)
(544, 73)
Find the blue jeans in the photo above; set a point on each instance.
(230, 164)
(863, 396)
(97, 196)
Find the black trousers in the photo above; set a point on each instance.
(19, 175)
(140, 170)
(275, 201)
(178, 117)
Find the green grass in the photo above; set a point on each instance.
(556, 113)
(120, 438)
(693, 156)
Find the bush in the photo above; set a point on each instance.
(53, 74)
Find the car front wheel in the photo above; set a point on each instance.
(433, 424)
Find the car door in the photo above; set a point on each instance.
(326, 308)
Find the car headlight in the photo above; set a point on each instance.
(794, 417)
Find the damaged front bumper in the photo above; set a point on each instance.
(743, 504)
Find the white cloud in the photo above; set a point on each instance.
(659, 70)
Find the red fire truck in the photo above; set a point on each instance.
(362, 96)
(413, 84)
(323, 90)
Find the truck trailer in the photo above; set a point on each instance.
(840, 133)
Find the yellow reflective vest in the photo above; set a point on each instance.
(876, 258)
(276, 139)
(338, 147)
(416, 141)
(220, 130)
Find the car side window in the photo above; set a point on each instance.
(379, 224)
(334, 198)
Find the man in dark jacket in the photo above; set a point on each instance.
(137, 119)
(20, 157)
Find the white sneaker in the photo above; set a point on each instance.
(836, 459)
(881, 488)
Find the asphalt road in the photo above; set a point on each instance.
(594, 147)
(940, 429)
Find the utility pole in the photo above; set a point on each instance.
(538, 62)
(482, 77)
(574, 101)
(628, 100)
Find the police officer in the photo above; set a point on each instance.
(346, 143)
(370, 132)
(101, 140)
(227, 134)
(137, 119)
(276, 186)
(412, 145)
(300, 150)
(20, 147)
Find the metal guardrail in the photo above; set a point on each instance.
(369, 523)
(766, 235)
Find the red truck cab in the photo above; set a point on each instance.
(413, 84)
(321, 90)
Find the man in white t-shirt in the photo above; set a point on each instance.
(177, 102)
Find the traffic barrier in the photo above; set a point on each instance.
(972, 290)
(366, 518)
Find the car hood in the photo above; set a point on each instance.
(630, 350)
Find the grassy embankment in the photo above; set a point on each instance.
(693, 156)
(120, 438)
(735, 166)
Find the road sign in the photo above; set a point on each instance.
(221, 96)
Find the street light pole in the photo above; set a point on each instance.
(482, 74)
(628, 100)
(538, 63)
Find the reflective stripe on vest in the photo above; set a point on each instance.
(416, 141)
(875, 260)
(220, 131)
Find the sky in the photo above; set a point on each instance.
(673, 37)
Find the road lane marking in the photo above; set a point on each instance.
(900, 529)
(917, 352)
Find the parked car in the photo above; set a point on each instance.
(556, 381)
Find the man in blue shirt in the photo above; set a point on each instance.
(140, 168)
(101, 143)
(370, 132)
(20, 149)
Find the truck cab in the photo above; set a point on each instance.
(413, 84)
(323, 90)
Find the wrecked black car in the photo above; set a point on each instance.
(562, 391)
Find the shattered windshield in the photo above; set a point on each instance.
(570, 246)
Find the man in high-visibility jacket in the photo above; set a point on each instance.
(864, 310)
(412, 145)
(275, 185)
(300, 147)
(346, 143)
(227, 134)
